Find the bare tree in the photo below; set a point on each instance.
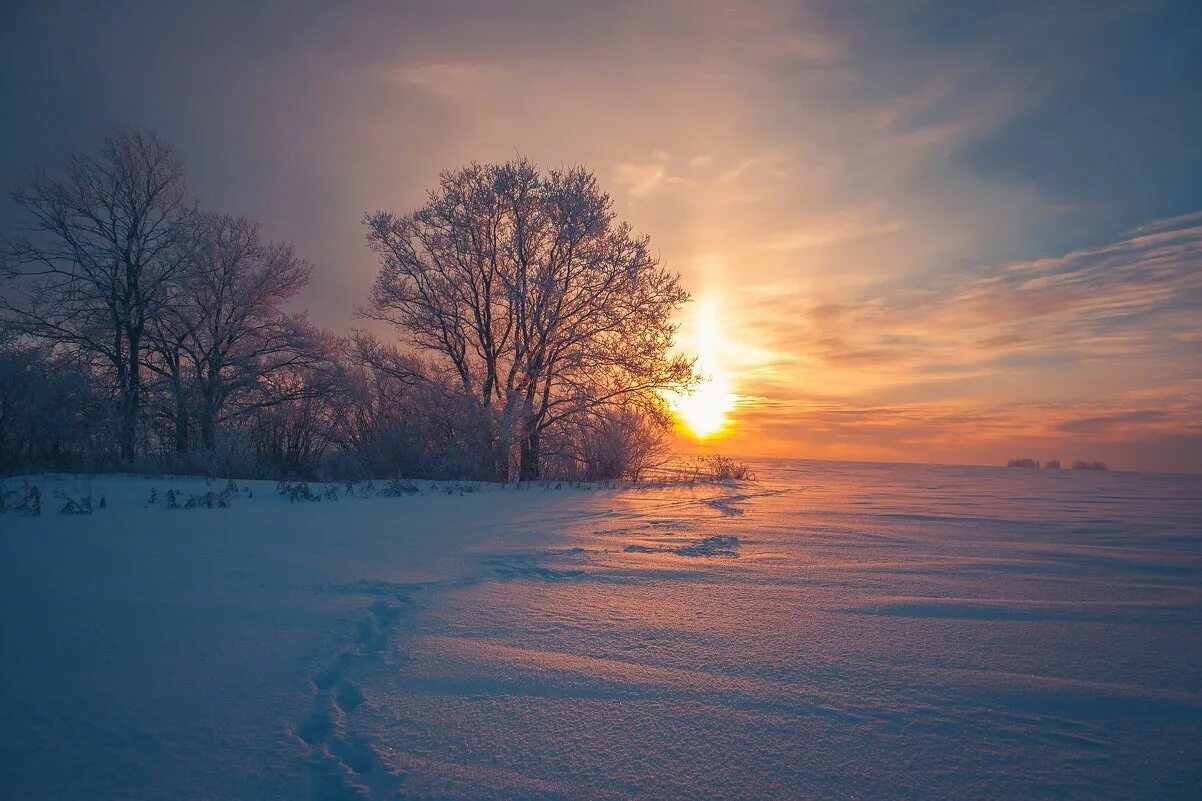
(545, 306)
(224, 341)
(98, 255)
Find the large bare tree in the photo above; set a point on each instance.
(224, 340)
(97, 256)
(544, 304)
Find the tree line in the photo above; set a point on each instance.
(533, 332)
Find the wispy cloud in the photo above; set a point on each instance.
(836, 231)
(641, 180)
(1120, 422)
(1134, 298)
(1096, 348)
(449, 79)
(1116, 429)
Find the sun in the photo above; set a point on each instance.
(705, 412)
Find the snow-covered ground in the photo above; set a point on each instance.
(829, 631)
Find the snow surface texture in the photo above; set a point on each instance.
(830, 631)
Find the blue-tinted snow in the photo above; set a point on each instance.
(829, 631)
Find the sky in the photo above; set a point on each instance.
(953, 232)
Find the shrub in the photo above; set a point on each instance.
(71, 506)
(296, 491)
(399, 487)
(31, 504)
(721, 468)
(208, 500)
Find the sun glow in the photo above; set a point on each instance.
(705, 412)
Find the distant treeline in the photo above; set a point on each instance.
(1054, 464)
(137, 331)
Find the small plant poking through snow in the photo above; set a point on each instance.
(399, 487)
(208, 500)
(232, 490)
(71, 506)
(26, 501)
(296, 491)
(31, 504)
(358, 489)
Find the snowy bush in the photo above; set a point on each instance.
(296, 491)
(71, 506)
(31, 502)
(355, 489)
(52, 413)
(721, 468)
(622, 443)
(208, 500)
(399, 487)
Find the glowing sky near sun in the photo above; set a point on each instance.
(706, 411)
(923, 232)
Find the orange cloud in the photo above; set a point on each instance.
(1086, 354)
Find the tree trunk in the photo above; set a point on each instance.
(207, 417)
(130, 403)
(529, 468)
(129, 412)
(181, 420)
(208, 424)
(501, 460)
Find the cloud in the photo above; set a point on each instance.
(1123, 421)
(1121, 299)
(833, 233)
(1077, 354)
(960, 431)
(457, 80)
(641, 180)
(772, 165)
(1133, 298)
